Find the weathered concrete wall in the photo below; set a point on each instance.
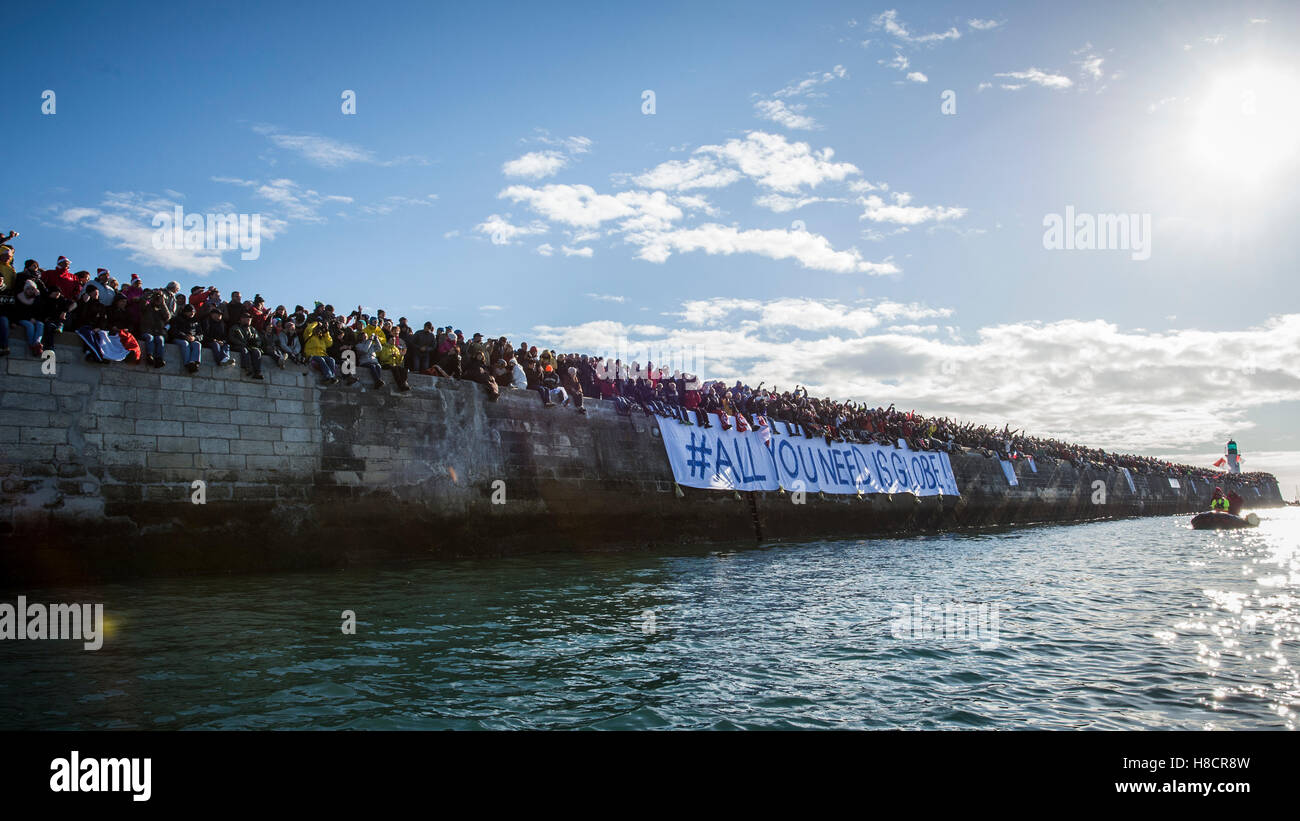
(98, 462)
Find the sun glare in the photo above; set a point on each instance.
(1248, 124)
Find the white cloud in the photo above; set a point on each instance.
(898, 61)
(535, 165)
(773, 162)
(781, 204)
(890, 23)
(875, 235)
(806, 86)
(583, 207)
(390, 204)
(1091, 72)
(572, 145)
(693, 202)
(784, 115)
(295, 201)
(1037, 77)
(901, 212)
(126, 220)
(770, 160)
(607, 298)
(913, 329)
(860, 186)
(809, 250)
(659, 223)
(1091, 67)
(502, 232)
(326, 152)
(684, 175)
(489, 307)
(983, 25)
(807, 314)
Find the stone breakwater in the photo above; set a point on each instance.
(118, 471)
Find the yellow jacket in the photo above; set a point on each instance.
(390, 355)
(314, 345)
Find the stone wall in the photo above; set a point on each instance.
(97, 465)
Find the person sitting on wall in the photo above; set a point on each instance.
(477, 371)
(247, 342)
(89, 311)
(188, 336)
(393, 358)
(214, 335)
(30, 312)
(367, 349)
(153, 329)
(501, 372)
(316, 345)
(518, 379)
(570, 382)
(549, 387)
(282, 337)
(449, 355)
(62, 279)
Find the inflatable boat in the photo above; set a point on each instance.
(1220, 520)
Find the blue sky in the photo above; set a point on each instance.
(798, 208)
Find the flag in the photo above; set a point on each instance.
(1221, 462)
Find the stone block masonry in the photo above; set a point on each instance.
(98, 465)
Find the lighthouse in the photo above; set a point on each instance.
(1234, 457)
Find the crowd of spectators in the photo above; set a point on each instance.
(147, 323)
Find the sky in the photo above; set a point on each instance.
(869, 200)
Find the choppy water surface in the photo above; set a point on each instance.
(1130, 624)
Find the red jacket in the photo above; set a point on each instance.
(65, 283)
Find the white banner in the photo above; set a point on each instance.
(730, 460)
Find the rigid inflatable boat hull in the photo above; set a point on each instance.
(1218, 520)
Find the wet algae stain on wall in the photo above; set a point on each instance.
(99, 465)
